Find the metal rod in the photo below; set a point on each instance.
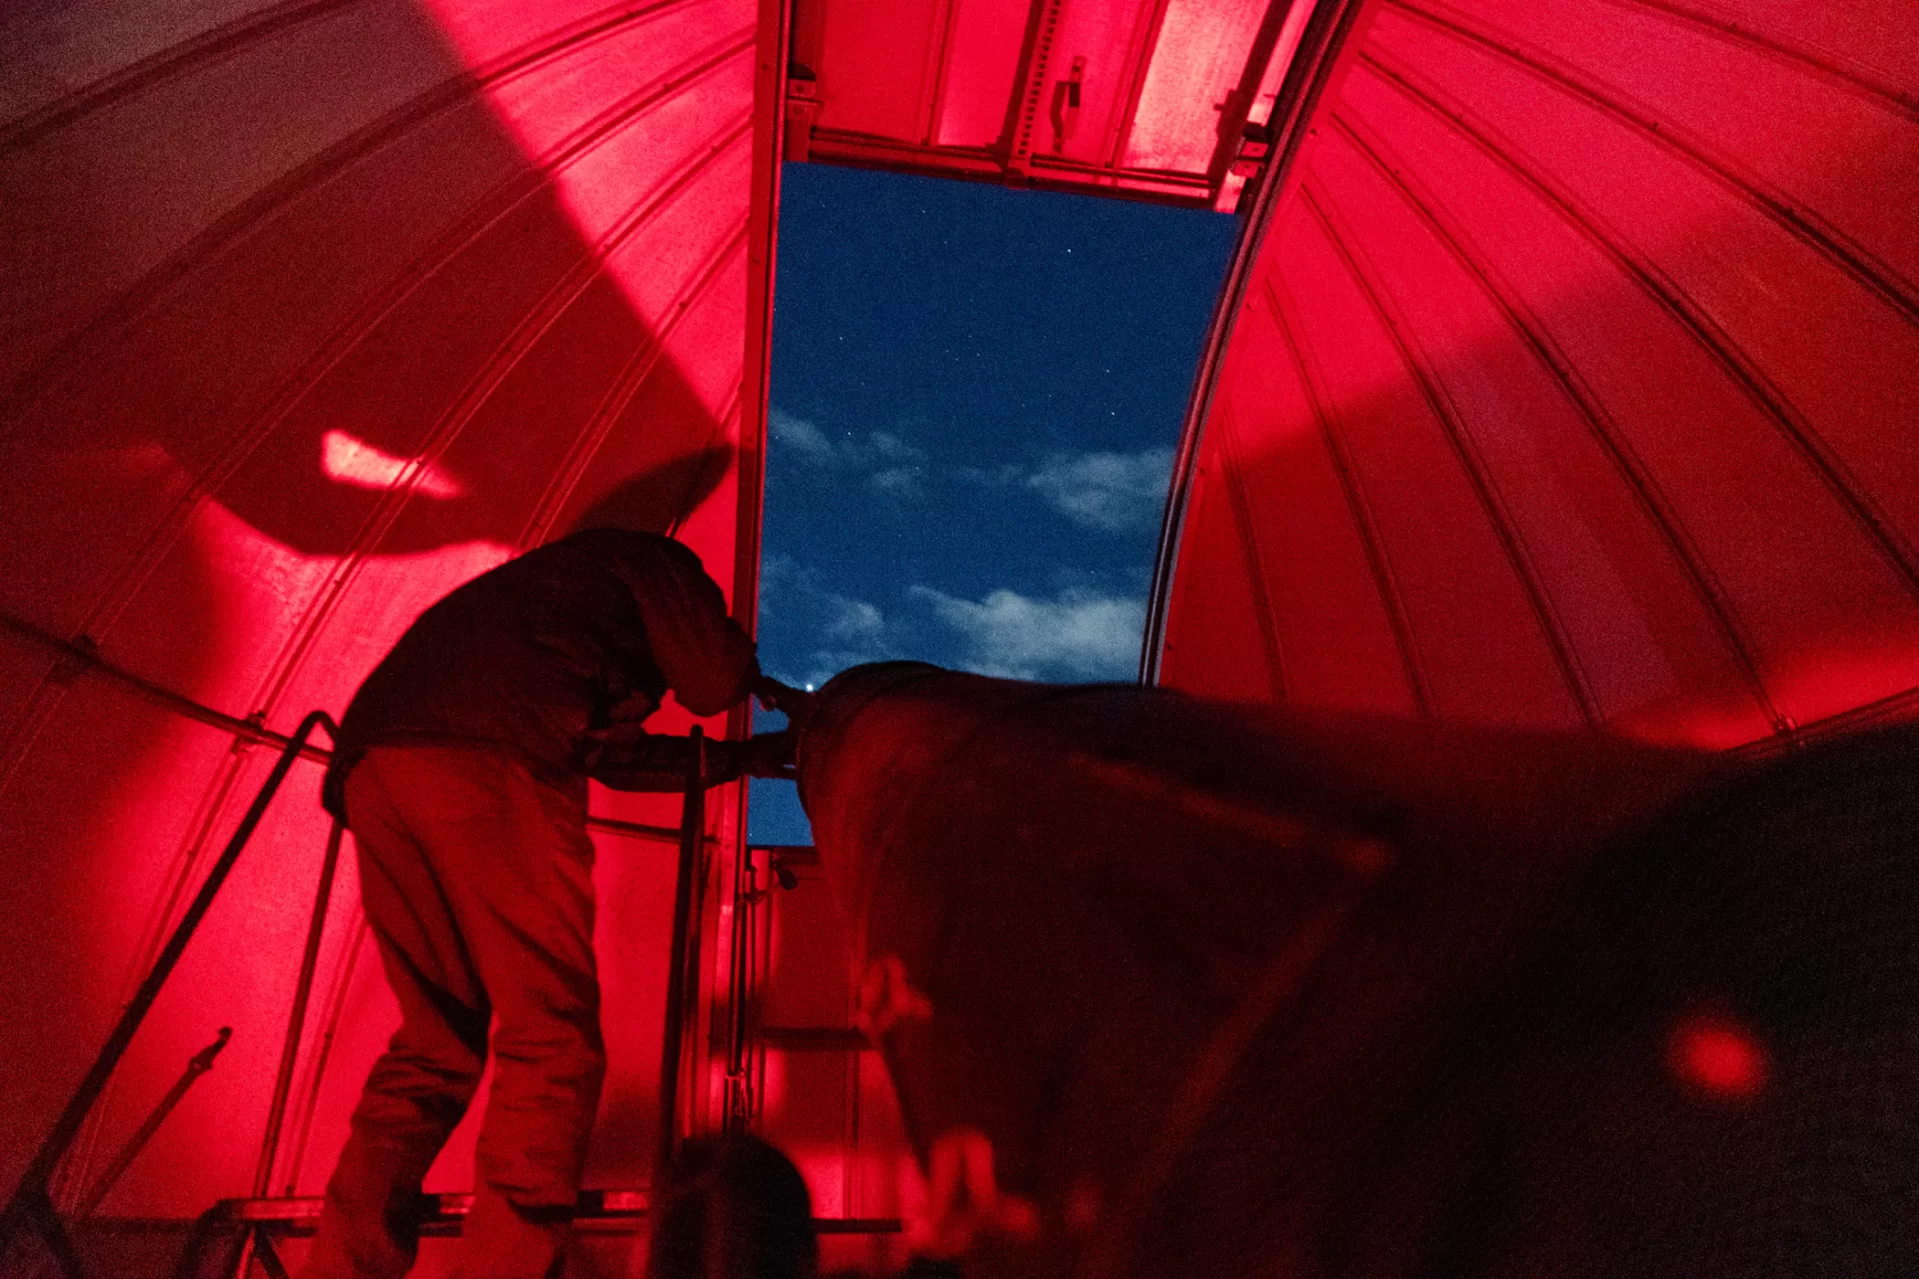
(637, 830)
(330, 1027)
(692, 826)
(82, 653)
(26, 1204)
(200, 1064)
(266, 1255)
(34, 1210)
(762, 968)
(738, 1103)
(296, 1020)
(815, 1039)
(1314, 59)
(297, 1217)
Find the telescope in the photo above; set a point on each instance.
(1172, 987)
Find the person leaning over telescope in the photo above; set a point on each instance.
(461, 769)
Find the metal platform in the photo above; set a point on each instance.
(603, 1211)
(235, 1235)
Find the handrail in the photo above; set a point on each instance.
(297, 1017)
(686, 890)
(31, 1205)
(197, 1065)
(745, 899)
(32, 1201)
(84, 653)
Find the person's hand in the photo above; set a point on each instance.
(794, 703)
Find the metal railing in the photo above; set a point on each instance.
(83, 655)
(31, 1207)
(686, 892)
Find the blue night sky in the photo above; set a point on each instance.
(976, 394)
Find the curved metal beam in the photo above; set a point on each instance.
(1306, 81)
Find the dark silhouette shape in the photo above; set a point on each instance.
(733, 1208)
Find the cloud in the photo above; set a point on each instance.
(845, 630)
(1080, 635)
(852, 619)
(1112, 492)
(899, 481)
(1005, 473)
(885, 446)
(801, 436)
(890, 464)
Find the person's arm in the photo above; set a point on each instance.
(705, 656)
(627, 758)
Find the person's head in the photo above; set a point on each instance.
(732, 1208)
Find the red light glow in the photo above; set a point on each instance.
(1719, 1058)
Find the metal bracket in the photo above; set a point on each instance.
(1020, 154)
(77, 656)
(802, 109)
(32, 1209)
(1066, 106)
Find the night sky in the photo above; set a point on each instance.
(976, 394)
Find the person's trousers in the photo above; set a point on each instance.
(477, 878)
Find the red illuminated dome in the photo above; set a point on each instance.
(1567, 375)
(312, 312)
(1567, 378)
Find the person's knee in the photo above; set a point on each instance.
(409, 1092)
(732, 1208)
(570, 1051)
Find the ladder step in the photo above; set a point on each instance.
(815, 1039)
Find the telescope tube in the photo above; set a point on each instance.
(1166, 986)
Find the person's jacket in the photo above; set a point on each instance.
(557, 655)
